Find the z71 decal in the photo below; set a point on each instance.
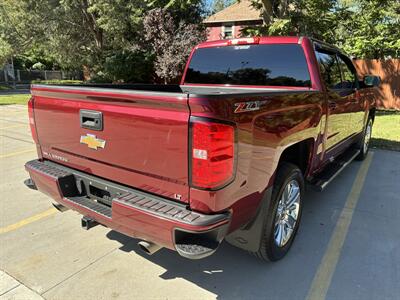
(248, 106)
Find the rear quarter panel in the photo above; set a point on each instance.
(283, 119)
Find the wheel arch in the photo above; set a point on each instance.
(299, 154)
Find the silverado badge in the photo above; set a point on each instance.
(92, 142)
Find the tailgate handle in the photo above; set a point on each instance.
(91, 119)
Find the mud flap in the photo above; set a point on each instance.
(249, 237)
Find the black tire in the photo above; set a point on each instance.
(362, 142)
(269, 250)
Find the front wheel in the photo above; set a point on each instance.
(283, 218)
(363, 144)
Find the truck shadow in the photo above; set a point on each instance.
(232, 273)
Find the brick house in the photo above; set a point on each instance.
(228, 22)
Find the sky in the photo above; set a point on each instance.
(208, 3)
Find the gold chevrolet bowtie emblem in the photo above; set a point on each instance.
(92, 141)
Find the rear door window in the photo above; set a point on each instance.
(258, 65)
(330, 70)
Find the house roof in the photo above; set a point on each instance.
(240, 11)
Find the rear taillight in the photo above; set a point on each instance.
(32, 120)
(212, 154)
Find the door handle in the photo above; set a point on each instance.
(91, 119)
(332, 105)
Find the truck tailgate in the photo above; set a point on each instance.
(143, 142)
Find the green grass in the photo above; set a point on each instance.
(386, 130)
(385, 133)
(4, 87)
(14, 99)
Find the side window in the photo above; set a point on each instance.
(348, 74)
(330, 70)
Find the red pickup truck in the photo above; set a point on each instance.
(224, 155)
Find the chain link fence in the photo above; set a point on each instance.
(8, 76)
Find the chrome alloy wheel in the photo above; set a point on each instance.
(287, 213)
(367, 138)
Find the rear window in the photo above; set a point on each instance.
(264, 65)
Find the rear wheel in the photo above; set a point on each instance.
(363, 144)
(283, 218)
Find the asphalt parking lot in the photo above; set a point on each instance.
(348, 246)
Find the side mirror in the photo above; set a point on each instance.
(371, 81)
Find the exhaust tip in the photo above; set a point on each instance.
(30, 184)
(144, 248)
(148, 247)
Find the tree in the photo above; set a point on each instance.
(83, 33)
(298, 17)
(102, 36)
(369, 28)
(5, 51)
(15, 35)
(364, 28)
(171, 42)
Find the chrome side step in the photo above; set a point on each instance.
(323, 179)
